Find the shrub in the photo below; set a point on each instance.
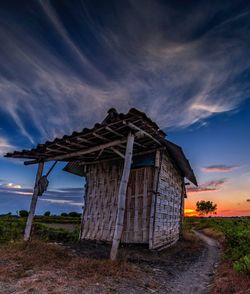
(74, 214)
(23, 213)
(57, 235)
(243, 264)
(11, 230)
(237, 237)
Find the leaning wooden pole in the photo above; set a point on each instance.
(122, 197)
(33, 202)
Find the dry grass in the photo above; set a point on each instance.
(40, 267)
(55, 269)
(214, 234)
(227, 281)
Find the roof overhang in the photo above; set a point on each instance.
(107, 141)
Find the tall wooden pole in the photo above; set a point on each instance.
(33, 202)
(122, 197)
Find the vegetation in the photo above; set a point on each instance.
(47, 213)
(71, 214)
(206, 207)
(11, 229)
(235, 235)
(23, 213)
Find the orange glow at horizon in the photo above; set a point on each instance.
(190, 212)
(24, 193)
(231, 200)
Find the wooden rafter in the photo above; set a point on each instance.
(117, 152)
(136, 128)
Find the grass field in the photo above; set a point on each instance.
(60, 229)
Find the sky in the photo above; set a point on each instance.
(63, 64)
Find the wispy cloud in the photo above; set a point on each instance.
(5, 146)
(221, 168)
(211, 186)
(62, 196)
(62, 202)
(173, 61)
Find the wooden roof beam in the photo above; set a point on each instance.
(114, 132)
(75, 144)
(117, 152)
(135, 128)
(80, 139)
(99, 154)
(100, 137)
(83, 152)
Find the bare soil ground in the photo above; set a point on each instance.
(39, 267)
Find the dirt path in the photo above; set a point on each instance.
(182, 272)
(198, 277)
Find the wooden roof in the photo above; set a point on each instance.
(107, 140)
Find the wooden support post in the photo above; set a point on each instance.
(183, 193)
(158, 161)
(122, 197)
(33, 203)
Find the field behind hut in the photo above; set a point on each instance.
(54, 262)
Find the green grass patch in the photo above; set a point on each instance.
(237, 237)
(11, 229)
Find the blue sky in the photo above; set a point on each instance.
(186, 64)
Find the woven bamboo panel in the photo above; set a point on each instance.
(138, 206)
(101, 203)
(168, 208)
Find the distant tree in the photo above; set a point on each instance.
(206, 207)
(23, 213)
(74, 214)
(47, 213)
(64, 214)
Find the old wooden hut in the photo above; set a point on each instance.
(134, 177)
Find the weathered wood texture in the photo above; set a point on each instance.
(168, 204)
(138, 205)
(154, 202)
(33, 203)
(121, 203)
(101, 203)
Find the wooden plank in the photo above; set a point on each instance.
(145, 205)
(122, 197)
(134, 127)
(117, 152)
(136, 211)
(87, 151)
(154, 198)
(84, 208)
(33, 202)
(128, 208)
(114, 132)
(100, 137)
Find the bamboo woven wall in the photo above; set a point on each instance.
(168, 205)
(138, 206)
(101, 203)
